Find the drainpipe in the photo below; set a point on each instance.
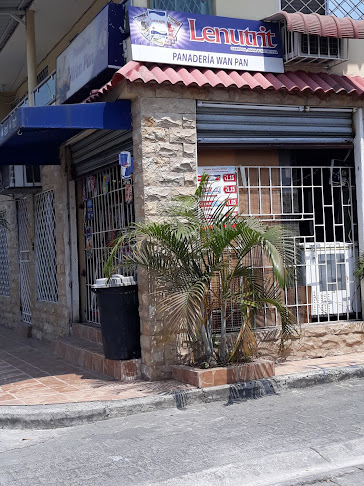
(31, 62)
(359, 179)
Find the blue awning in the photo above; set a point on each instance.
(33, 135)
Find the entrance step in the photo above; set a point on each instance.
(91, 333)
(88, 354)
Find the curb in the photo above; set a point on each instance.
(70, 414)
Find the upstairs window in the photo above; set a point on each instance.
(192, 6)
(350, 8)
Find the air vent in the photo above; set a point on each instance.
(307, 48)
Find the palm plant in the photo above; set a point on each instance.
(203, 258)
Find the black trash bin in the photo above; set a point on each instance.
(120, 324)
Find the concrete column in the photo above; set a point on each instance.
(165, 163)
(31, 59)
(359, 179)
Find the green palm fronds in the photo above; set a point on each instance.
(202, 260)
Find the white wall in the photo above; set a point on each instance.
(246, 9)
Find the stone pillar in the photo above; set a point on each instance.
(165, 164)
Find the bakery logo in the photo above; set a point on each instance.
(158, 27)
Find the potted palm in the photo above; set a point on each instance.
(204, 260)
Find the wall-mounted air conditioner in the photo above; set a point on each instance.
(307, 48)
(19, 178)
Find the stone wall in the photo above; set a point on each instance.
(10, 305)
(165, 164)
(314, 341)
(48, 319)
(52, 319)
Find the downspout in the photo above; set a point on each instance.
(31, 59)
(359, 178)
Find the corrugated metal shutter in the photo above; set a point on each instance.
(99, 149)
(221, 123)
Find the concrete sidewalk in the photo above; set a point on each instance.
(38, 389)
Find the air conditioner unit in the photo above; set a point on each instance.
(19, 179)
(308, 48)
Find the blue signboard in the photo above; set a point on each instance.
(203, 40)
(96, 50)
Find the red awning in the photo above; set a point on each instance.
(290, 82)
(322, 25)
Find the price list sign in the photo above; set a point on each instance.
(222, 186)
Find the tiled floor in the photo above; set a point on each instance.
(30, 374)
(306, 365)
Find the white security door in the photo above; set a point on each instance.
(24, 247)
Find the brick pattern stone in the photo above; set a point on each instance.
(165, 165)
(226, 375)
(84, 353)
(314, 341)
(10, 305)
(85, 331)
(51, 319)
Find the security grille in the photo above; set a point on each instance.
(45, 247)
(318, 204)
(197, 6)
(348, 8)
(24, 273)
(111, 201)
(4, 257)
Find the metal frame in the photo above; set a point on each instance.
(349, 8)
(4, 258)
(318, 204)
(112, 215)
(190, 5)
(45, 247)
(24, 260)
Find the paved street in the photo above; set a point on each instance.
(277, 440)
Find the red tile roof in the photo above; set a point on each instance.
(289, 82)
(322, 25)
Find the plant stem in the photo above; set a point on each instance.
(223, 333)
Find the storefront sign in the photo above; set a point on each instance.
(222, 187)
(98, 48)
(204, 40)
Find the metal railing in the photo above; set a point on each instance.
(350, 8)
(44, 94)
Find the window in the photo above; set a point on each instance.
(349, 8)
(195, 6)
(4, 257)
(45, 247)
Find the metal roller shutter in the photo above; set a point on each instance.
(242, 125)
(99, 149)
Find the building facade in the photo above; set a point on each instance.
(286, 145)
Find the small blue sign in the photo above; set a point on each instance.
(90, 209)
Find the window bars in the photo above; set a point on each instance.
(112, 213)
(318, 205)
(339, 8)
(4, 257)
(24, 262)
(195, 6)
(45, 247)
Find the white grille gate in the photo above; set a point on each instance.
(45, 247)
(318, 204)
(4, 257)
(24, 273)
(113, 212)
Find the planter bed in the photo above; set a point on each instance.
(236, 373)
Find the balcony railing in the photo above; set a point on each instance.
(350, 8)
(44, 94)
(195, 6)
